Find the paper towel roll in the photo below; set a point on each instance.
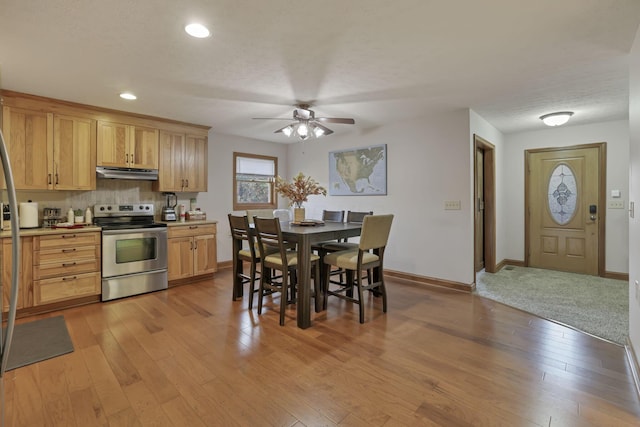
(28, 215)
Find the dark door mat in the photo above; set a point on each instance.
(38, 340)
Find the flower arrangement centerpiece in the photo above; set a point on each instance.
(298, 192)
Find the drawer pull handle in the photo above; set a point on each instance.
(69, 278)
(68, 264)
(66, 251)
(68, 236)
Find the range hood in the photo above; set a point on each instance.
(127, 173)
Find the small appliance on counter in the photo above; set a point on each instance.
(169, 210)
(51, 217)
(5, 217)
(28, 214)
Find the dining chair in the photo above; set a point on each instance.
(328, 216)
(276, 255)
(240, 233)
(262, 213)
(368, 256)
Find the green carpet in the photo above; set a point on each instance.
(591, 304)
(38, 340)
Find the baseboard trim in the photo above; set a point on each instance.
(507, 261)
(617, 276)
(223, 265)
(632, 357)
(423, 280)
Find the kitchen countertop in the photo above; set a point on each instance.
(192, 222)
(44, 231)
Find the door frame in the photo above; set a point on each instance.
(488, 148)
(602, 198)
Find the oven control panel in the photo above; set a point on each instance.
(138, 209)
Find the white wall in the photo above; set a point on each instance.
(484, 129)
(616, 135)
(428, 162)
(634, 223)
(217, 202)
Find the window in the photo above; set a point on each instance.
(254, 181)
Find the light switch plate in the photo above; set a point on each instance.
(452, 205)
(615, 204)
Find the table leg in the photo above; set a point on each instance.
(303, 305)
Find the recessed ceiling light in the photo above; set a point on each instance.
(197, 30)
(128, 95)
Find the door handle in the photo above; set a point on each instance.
(593, 210)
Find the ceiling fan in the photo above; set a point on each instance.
(307, 125)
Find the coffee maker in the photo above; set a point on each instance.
(169, 210)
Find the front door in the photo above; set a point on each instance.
(564, 208)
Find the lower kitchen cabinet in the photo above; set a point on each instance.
(25, 285)
(192, 250)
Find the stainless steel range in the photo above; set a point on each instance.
(134, 250)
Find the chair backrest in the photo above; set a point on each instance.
(269, 235)
(333, 216)
(262, 213)
(240, 231)
(357, 217)
(375, 231)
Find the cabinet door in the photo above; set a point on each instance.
(195, 163)
(171, 150)
(26, 279)
(113, 144)
(74, 153)
(143, 153)
(29, 139)
(180, 262)
(205, 258)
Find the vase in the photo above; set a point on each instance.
(298, 214)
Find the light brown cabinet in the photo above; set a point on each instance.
(182, 162)
(25, 284)
(192, 250)
(124, 145)
(50, 151)
(65, 267)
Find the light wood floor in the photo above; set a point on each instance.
(190, 356)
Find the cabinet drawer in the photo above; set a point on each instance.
(64, 240)
(64, 288)
(66, 254)
(191, 230)
(68, 268)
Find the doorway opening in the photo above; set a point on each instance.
(484, 206)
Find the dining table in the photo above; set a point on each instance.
(304, 236)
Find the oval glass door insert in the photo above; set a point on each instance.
(562, 194)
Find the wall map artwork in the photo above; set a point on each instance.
(358, 171)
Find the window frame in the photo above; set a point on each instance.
(237, 206)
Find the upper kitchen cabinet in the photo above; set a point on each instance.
(50, 151)
(183, 162)
(74, 153)
(29, 139)
(129, 146)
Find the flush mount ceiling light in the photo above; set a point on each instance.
(128, 95)
(556, 119)
(307, 125)
(197, 30)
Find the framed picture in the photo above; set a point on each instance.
(358, 171)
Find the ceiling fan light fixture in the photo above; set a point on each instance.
(288, 130)
(318, 131)
(556, 119)
(303, 131)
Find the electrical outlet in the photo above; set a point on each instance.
(615, 204)
(452, 205)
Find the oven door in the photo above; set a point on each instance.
(129, 251)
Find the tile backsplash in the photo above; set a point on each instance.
(108, 191)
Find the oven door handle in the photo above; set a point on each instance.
(135, 231)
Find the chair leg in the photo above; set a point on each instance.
(383, 291)
(360, 296)
(325, 286)
(265, 275)
(283, 295)
(317, 286)
(252, 286)
(349, 292)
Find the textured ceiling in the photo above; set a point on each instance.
(377, 61)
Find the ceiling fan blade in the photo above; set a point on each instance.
(344, 121)
(325, 129)
(271, 118)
